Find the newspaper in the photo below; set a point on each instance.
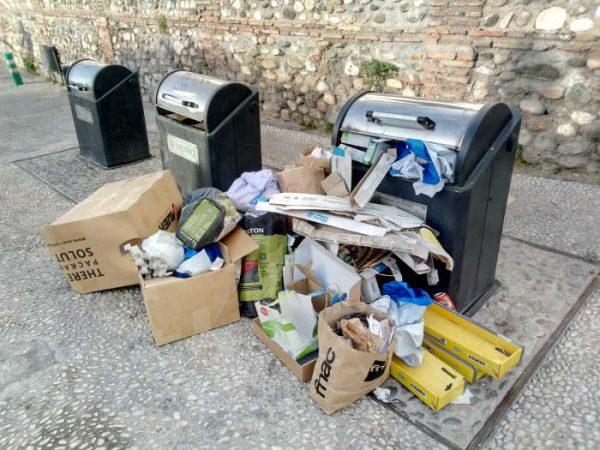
(395, 242)
(343, 223)
(389, 216)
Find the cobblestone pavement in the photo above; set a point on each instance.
(82, 372)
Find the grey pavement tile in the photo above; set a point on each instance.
(560, 406)
(538, 289)
(556, 214)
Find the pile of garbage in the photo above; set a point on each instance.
(342, 283)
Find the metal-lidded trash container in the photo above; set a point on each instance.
(107, 109)
(51, 60)
(209, 129)
(469, 213)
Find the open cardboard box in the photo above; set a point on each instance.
(303, 368)
(86, 241)
(181, 307)
(434, 382)
(488, 352)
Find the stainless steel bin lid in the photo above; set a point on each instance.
(395, 117)
(202, 98)
(88, 78)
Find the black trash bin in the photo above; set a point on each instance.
(209, 129)
(51, 60)
(108, 113)
(469, 213)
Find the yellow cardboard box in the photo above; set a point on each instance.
(462, 366)
(435, 383)
(488, 352)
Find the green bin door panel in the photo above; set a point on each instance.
(184, 151)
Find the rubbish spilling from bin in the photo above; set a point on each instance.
(348, 281)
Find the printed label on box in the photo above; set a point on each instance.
(183, 148)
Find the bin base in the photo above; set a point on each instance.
(116, 166)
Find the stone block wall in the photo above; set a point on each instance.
(309, 56)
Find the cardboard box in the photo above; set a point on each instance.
(181, 307)
(462, 366)
(302, 369)
(435, 383)
(304, 179)
(86, 241)
(488, 352)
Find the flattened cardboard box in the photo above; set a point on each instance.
(488, 352)
(182, 307)
(86, 241)
(434, 382)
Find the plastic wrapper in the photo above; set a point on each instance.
(202, 261)
(262, 270)
(208, 217)
(158, 255)
(405, 306)
(291, 321)
(252, 187)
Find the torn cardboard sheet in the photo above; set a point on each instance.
(392, 241)
(366, 187)
(327, 219)
(341, 163)
(334, 185)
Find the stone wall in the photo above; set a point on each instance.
(309, 56)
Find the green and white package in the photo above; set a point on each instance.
(262, 270)
(291, 321)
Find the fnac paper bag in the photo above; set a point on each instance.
(343, 375)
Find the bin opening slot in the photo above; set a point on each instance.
(186, 121)
(366, 149)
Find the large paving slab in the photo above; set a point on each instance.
(555, 214)
(539, 294)
(34, 119)
(560, 407)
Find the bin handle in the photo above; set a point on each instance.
(377, 117)
(79, 87)
(179, 101)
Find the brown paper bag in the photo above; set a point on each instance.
(303, 179)
(343, 375)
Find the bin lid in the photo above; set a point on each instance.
(396, 117)
(88, 78)
(202, 98)
(468, 128)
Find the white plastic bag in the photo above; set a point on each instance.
(293, 326)
(163, 251)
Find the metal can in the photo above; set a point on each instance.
(444, 299)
